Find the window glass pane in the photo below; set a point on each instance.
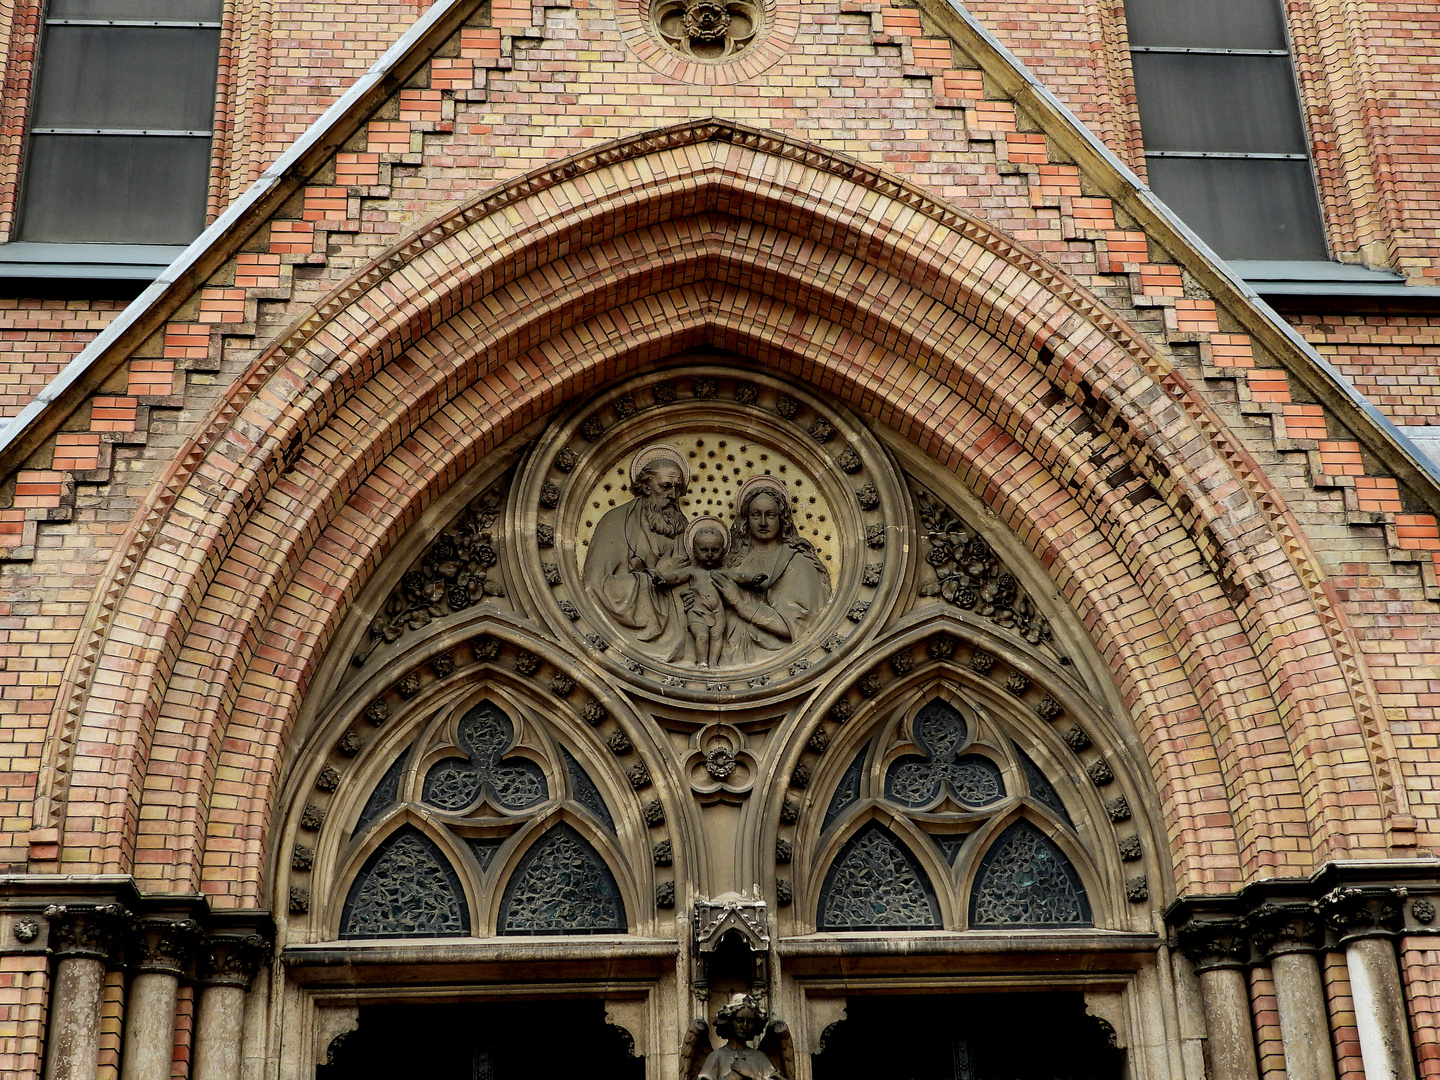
(164, 10)
(1208, 24)
(1244, 208)
(115, 189)
(127, 77)
(1234, 104)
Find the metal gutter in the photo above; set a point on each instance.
(25, 432)
(1396, 453)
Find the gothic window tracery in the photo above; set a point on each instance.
(482, 776)
(876, 884)
(949, 767)
(407, 889)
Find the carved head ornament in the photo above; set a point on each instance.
(657, 452)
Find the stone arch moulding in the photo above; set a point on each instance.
(973, 349)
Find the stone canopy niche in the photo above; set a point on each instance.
(711, 535)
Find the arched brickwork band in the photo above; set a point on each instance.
(1172, 547)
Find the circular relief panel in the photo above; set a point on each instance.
(712, 533)
(711, 42)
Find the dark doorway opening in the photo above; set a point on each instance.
(1016, 1036)
(483, 1041)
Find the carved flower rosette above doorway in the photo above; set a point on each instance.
(713, 534)
(709, 30)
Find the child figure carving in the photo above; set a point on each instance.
(707, 542)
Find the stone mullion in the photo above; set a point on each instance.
(84, 941)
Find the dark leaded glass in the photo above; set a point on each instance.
(1025, 880)
(915, 781)
(562, 886)
(876, 884)
(485, 734)
(1041, 790)
(586, 793)
(406, 889)
(847, 792)
(384, 795)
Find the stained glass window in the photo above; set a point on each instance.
(876, 884)
(384, 795)
(940, 731)
(586, 793)
(1025, 880)
(562, 886)
(486, 733)
(406, 889)
(847, 792)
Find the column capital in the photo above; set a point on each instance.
(90, 931)
(1353, 912)
(232, 959)
(163, 946)
(1214, 943)
(1281, 928)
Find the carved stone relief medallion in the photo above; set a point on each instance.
(709, 532)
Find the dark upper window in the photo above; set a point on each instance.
(1225, 142)
(118, 147)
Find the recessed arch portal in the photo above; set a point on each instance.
(980, 355)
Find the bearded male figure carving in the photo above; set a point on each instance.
(636, 558)
(774, 584)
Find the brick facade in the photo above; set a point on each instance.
(542, 200)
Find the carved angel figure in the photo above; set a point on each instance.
(737, 1023)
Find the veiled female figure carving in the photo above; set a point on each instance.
(774, 584)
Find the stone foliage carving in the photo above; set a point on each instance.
(875, 884)
(718, 765)
(457, 570)
(407, 889)
(960, 568)
(562, 886)
(1025, 880)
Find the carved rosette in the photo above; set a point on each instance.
(739, 438)
(719, 767)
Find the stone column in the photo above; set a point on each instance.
(83, 941)
(1366, 921)
(160, 951)
(228, 963)
(1220, 950)
(1288, 936)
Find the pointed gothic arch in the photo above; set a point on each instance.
(966, 303)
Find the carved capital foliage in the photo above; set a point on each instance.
(163, 946)
(92, 931)
(1283, 928)
(1214, 943)
(1353, 912)
(232, 959)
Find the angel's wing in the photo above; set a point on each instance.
(694, 1050)
(779, 1047)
